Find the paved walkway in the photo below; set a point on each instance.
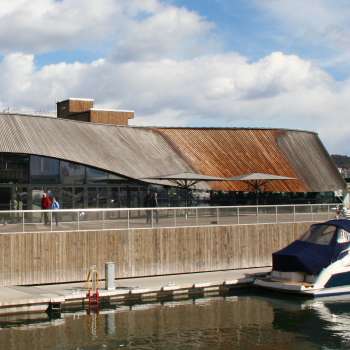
(37, 298)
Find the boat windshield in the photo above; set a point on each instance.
(319, 234)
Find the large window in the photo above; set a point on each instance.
(98, 176)
(44, 170)
(14, 168)
(71, 173)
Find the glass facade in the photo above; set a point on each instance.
(23, 178)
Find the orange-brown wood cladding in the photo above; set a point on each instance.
(78, 106)
(111, 117)
(234, 152)
(33, 258)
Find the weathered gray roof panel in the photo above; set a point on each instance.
(311, 161)
(132, 152)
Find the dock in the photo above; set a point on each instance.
(60, 297)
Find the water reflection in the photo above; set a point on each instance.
(245, 320)
(325, 322)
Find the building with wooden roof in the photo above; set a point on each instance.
(92, 158)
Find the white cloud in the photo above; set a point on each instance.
(132, 29)
(44, 25)
(170, 32)
(317, 23)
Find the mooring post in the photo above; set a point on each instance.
(110, 275)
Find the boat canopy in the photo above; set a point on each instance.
(316, 249)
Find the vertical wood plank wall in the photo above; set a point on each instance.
(34, 258)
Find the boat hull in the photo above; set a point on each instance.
(296, 288)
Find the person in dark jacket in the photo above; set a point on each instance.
(151, 201)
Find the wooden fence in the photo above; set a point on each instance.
(51, 257)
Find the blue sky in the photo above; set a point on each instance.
(245, 26)
(238, 63)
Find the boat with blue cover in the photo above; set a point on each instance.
(316, 265)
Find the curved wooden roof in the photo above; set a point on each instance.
(233, 152)
(131, 152)
(137, 152)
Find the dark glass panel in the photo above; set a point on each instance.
(79, 197)
(133, 197)
(14, 168)
(92, 197)
(66, 198)
(5, 198)
(72, 173)
(44, 170)
(102, 198)
(98, 176)
(114, 198)
(123, 197)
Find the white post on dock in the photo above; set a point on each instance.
(110, 275)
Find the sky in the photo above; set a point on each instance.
(212, 63)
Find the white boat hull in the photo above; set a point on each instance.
(332, 280)
(289, 287)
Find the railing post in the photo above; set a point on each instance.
(196, 216)
(238, 216)
(152, 218)
(22, 221)
(175, 217)
(128, 218)
(78, 212)
(51, 220)
(103, 219)
(294, 216)
(312, 212)
(217, 216)
(257, 214)
(276, 214)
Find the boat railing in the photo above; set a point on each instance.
(14, 221)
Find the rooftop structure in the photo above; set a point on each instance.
(83, 110)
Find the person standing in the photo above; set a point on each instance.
(46, 204)
(14, 207)
(43, 203)
(55, 207)
(151, 201)
(155, 205)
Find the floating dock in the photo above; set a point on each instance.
(60, 297)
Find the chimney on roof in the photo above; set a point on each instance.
(82, 110)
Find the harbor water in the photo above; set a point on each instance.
(240, 320)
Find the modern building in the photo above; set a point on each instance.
(92, 158)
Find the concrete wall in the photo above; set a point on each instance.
(34, 258)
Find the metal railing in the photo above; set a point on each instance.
(137, 218)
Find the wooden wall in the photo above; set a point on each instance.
(111, 117)
(34, 258)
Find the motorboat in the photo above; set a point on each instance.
(316, 265)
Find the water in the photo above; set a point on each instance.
(245, 320)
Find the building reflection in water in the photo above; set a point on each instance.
(239, 321)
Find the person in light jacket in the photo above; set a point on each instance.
(55, 206)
